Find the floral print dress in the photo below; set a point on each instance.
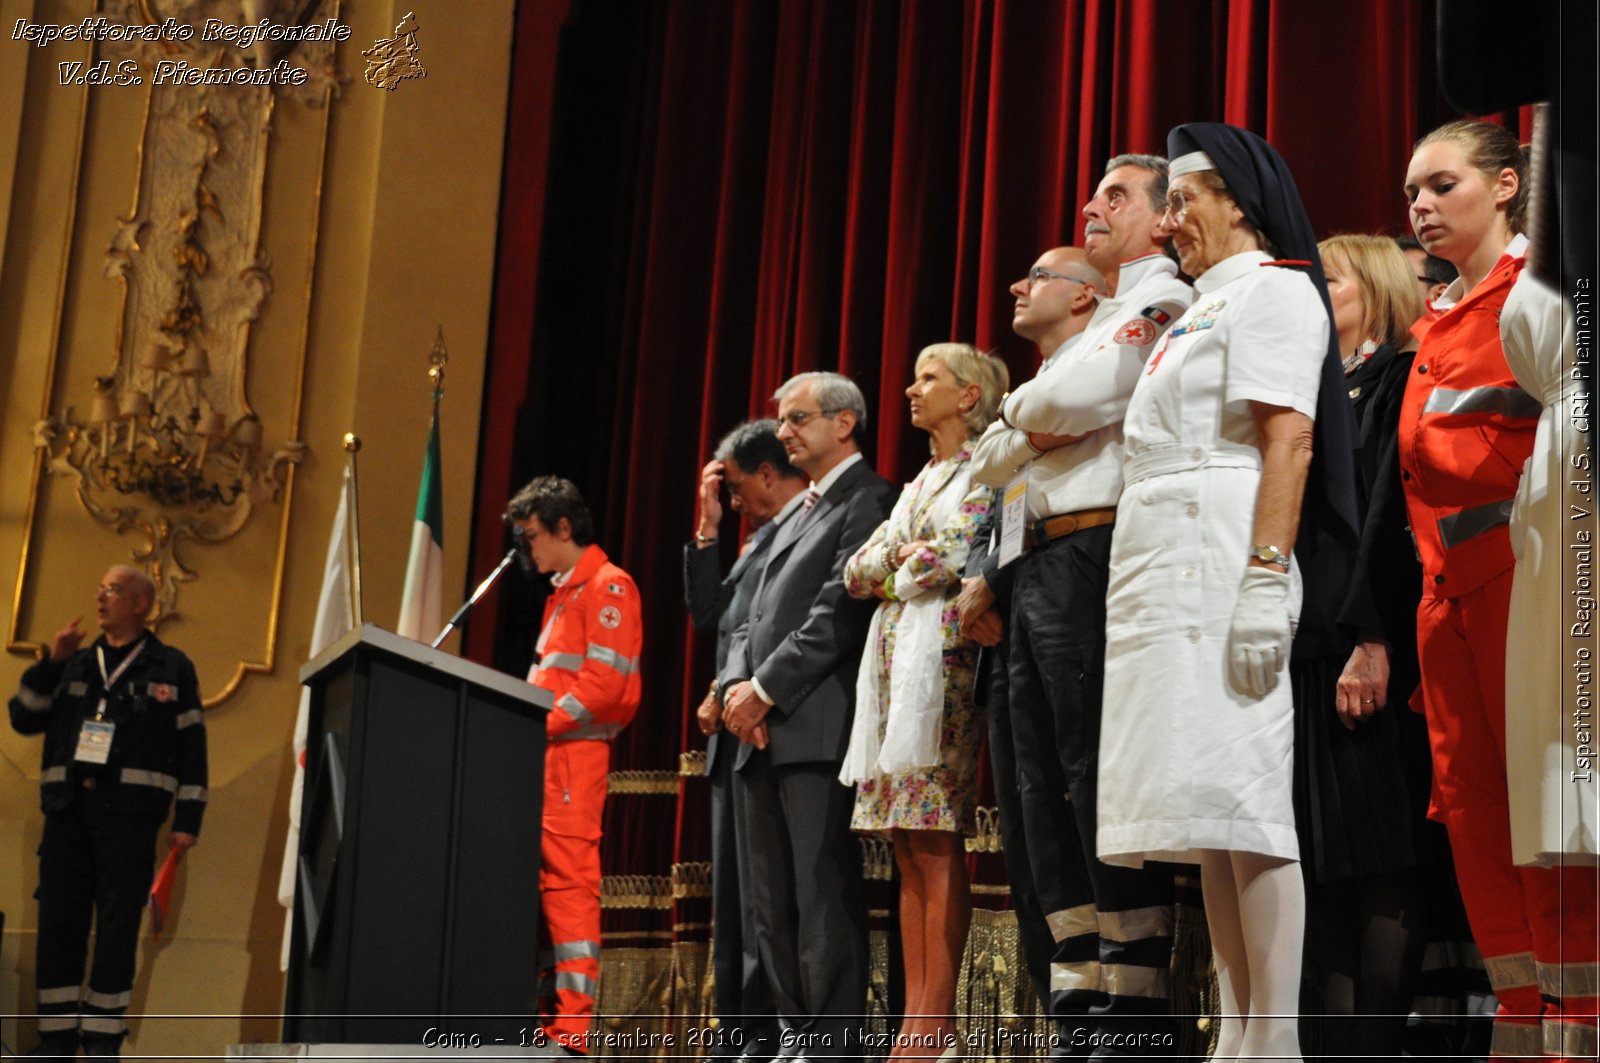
(943, 796)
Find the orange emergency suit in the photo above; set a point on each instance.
(588, 657)
(1466, 429)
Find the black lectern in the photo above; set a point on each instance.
(417, 905)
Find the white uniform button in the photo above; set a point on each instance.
(1190, 573)
(1194, 634)
(1197, 454)
(1193, 509)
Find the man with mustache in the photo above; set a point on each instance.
(1071, 415)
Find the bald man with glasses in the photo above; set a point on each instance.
(1054, 302)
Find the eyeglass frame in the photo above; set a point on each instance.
(1037, 275)
(807, 415)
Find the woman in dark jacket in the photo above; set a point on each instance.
(1361, 754)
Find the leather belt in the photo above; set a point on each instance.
(1047, 528)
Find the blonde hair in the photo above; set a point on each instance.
(972, 366)
(1489, 149)
(1390, 302)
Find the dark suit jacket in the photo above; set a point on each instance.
(723, 603)
(983, 562)
(803, 636)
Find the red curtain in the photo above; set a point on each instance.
(731, 192)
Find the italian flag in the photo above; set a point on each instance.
(420, 602)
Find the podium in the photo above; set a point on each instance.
(417, 905)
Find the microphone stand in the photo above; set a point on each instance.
(483, 588)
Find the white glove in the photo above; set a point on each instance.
(1259, 634)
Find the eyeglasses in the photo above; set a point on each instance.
(1179, 201)
(110, 590)
(1039, 275)
(798, 418)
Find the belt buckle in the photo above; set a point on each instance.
(1072, 524)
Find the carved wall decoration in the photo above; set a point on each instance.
(171, 446)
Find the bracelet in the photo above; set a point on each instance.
(888, 589)
(704, 540)
(886, 561)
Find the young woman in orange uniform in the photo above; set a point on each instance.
(1466, 429)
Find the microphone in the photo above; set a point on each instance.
(517, 553)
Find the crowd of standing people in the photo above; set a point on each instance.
(1234, 578)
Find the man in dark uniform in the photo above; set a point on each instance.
(766, 489)
(1038, 835)
(123, 736)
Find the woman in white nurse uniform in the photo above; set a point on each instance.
(1195, 754)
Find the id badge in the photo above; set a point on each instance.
(94, 742)
(1013, 519)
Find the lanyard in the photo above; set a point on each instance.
(544, 633)
(107, 682)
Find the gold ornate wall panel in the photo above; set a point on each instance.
(171, 415)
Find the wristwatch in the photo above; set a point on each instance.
(1270, 555)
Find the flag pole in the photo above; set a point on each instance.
(352, 447)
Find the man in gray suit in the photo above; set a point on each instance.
(752, 463)
(789, 696)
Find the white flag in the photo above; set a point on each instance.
(334, 619)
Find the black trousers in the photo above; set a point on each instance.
(806, 895)
(92, 862)
(743, 1001)
(1038, 947)
(1056, 668)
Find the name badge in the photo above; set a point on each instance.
(94, 742)
(1013, 518)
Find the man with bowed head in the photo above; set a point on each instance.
(124, 735)
(789, 697)
(762, 486)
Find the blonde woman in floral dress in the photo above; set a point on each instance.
(914, 747)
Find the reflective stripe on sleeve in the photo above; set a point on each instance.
(190, 718)
(574, 708)
(565, 662)
(1507, 402)
(57, 773)
(193, 793)
(1457, 528)
(32, 700)
(610, 657)
(140, 777)
(603, 732)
